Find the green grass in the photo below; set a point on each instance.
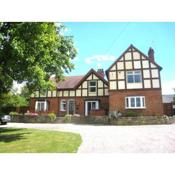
(37, 141)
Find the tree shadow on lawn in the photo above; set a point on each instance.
(3, 130)
(11, 136)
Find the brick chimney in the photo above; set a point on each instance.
(151, 54)
(101, 72)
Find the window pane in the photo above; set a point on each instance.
(138, 102)
(132, 102)
(137, 78)
(92, 83)
(93, 105)
(92, 89)
(63, 105)
(38, 107)
(130, 79)
(42, 106)
(47, 105)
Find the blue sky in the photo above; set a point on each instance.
(99, 44)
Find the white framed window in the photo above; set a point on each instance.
(91, 105)
(41, 106)
(134, 76)
(132, 102)
(92, 86)
(63, 105)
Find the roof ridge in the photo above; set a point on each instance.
(74, 76)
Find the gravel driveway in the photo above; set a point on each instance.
(116, 139)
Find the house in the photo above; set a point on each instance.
(133, 83)
(84, 95)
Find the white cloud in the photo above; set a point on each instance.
(167, 87)
(100, 58)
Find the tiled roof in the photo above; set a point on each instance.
(69, 82)
(72, 82)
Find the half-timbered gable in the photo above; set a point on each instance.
(134, 70)
(92, 85)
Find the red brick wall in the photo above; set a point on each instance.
(116, 100)
(54, 104)
(153, 101)
(100, 112)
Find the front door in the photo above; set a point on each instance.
(91, 105)
(71, 107)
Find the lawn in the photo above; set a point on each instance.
(13, 140)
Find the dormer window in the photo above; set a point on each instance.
(134, 77)
(92, 86)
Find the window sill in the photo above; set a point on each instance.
(135, 108)
(134, 82)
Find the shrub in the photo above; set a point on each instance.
(52, 116)
(131, 114)
(13, 114)
(67, 118)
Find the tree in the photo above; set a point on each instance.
(32, 52)
(14, 100)
(25, 92)
(11, 101)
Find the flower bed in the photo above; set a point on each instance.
(30, 114)
(103, 120)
